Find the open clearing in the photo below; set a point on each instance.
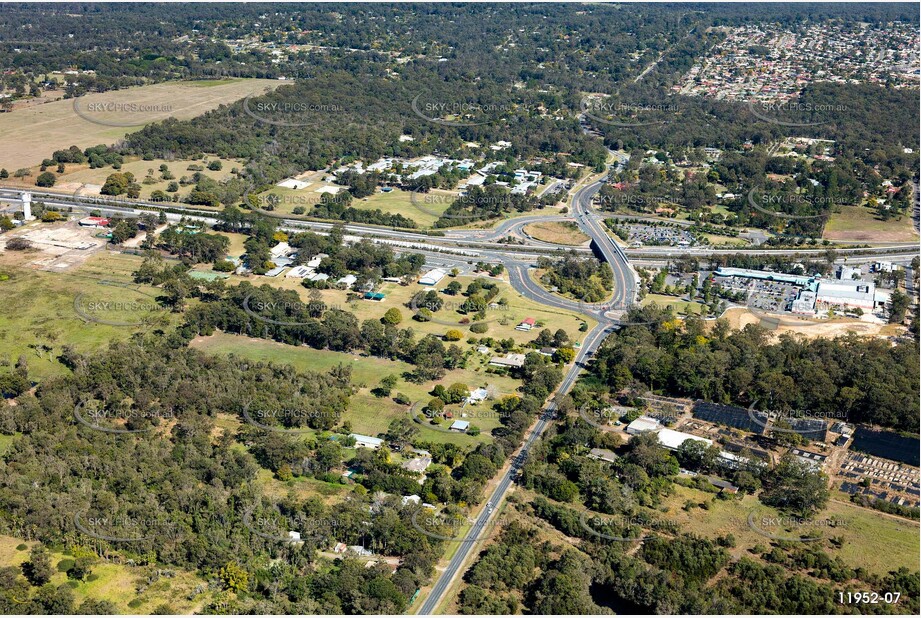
(88, 181)
(558, 232)
(858, 223)
(38, 315)
(864, 531)
(117, 582)
(682, 307)
(424, 211)
(31, 134)
(740, 317)
(368, 414)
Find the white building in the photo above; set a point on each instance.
(509, 360)
(672, 439)
(366, 441)
(299, 272)
(477, 395)
(642, 425)
(846, 273)
(314, 262)
(347, 281)
(281, 249)
(858, 293)
(433, 276)
(293, 183)
(805, 303)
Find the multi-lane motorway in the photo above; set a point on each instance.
(517, 267)
(460, 246)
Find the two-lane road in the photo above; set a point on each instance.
(592, 340)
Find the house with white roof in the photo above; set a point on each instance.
(347, 281)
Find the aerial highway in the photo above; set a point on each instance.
(589, 222)
(477, 240)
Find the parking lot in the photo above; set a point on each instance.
(660, 235)
(764, 295)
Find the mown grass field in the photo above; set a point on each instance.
(680, 306)
(858, 223)
(117, 583)
(368, 414)
(716, 239)
(31, 134)
(559, 232)
(423, 209)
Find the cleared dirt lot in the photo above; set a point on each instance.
(740, 317)
(30, 134)
(56, 247)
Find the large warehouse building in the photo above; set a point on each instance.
(858, 293)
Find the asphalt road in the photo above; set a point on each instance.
(625, 279)
(485, 240)
(591, 343)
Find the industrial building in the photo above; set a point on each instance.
(672, 439)
(764, 275)
(857, 294)
(642, 425)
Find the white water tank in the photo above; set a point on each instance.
(27, 206)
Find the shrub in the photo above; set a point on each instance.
(18, 244)
(46, 179)
(479, 328)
